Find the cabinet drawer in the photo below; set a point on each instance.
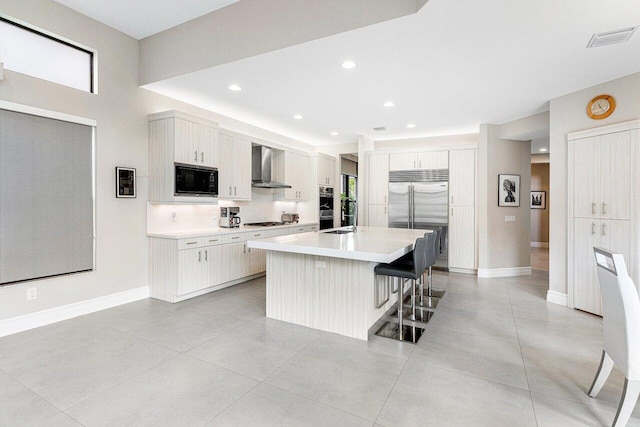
(195, 242)
(213, 240)
(262, 234)
(235, 237)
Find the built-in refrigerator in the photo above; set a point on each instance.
(420, 200)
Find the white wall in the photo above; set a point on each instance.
(568, 114)
(120, 109)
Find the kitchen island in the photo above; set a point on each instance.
(326, 280)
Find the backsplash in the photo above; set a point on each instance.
(262, 207)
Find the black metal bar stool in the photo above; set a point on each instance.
(426, 301)
(404, 330)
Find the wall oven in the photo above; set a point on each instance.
(326, 208)
(196, 181)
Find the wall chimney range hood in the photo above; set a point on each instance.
(261, 168)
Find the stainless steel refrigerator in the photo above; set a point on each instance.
(420, 200)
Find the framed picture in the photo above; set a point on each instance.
(538, 200)
(509, 190)
(125, 182)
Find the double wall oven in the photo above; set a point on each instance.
(326, 208)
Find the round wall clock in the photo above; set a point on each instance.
(601, 107)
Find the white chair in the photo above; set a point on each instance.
(620, 329)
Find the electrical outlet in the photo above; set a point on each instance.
(173, 216)
(510, 218)
(32, 293)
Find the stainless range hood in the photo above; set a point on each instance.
(261, 168)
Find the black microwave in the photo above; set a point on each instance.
(196, 181)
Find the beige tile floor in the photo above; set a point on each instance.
(540, 259)
(495, 354)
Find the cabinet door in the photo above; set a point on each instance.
(208, 146)
(302, 178)
(586, 295)
(462, 252)
(462, 173)
(187, 142)
(190, 270)
(585, 203)
(214, 266)
(378, 216)
(325, 172)
(433, 160)
(378, 179)
(233, 261)
(403, 161)
(614, 177)
(226, 167)
(242, 169)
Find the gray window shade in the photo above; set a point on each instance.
(46, 197)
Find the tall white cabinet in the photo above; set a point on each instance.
(462, 228)
(378, 190)
(602, 208)
(235, 167)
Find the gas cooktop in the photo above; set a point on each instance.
(264, 224)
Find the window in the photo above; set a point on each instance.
(34, 53)
(46, 197)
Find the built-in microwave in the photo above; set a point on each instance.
(196, 181)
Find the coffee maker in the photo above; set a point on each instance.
(229, 217)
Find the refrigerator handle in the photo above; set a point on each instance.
(413, 205)
(410, 207)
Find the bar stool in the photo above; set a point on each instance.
(427, 301)
(402, 271)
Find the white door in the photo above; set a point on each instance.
(378, 179)
(226, 167)
(614, 158)
(433, 160)
(403, 161)
(462, 177)
(378, 216)
(585, 203)
(586, 295)
(462, 252)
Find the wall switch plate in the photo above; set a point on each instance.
(510, 218)
(321, 264)
(32, 293)
(174, 216)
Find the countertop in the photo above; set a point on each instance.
(187, 234)
(374, 244)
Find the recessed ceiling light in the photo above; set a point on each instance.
(348, 65)
(298, 117)
(542, 150)
(235, 88)
(389, 104)
(411, 126)
(334, 133)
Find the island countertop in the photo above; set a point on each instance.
(373, 244)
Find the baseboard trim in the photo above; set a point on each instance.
(504, 272)
(69, 311)
(557, 297)
(540, 245)
(462, 270)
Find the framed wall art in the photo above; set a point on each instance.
(508, 190)
(538, 200)
(125, 182)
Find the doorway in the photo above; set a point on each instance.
(348, 189)
(539, 203)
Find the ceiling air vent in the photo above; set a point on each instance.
(380, 128)
(611, 37)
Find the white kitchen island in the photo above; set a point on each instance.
(327, 282)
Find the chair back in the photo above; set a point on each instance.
(420, 249)
(443, 240)
(620, 312)
(431, 253)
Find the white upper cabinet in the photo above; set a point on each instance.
(296, 174)
(601, 174)
(462, 165)
(195, 143)
(176, 137)
(326, 171)
(418, 161)
(235, 167)
(378, 187)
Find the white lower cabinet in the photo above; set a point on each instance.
(462, 247)
(587, 234)
(378, 216)
(185, 268)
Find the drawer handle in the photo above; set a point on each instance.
(214, 240)
(191, 243)
(234, 238)
(256, 235)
